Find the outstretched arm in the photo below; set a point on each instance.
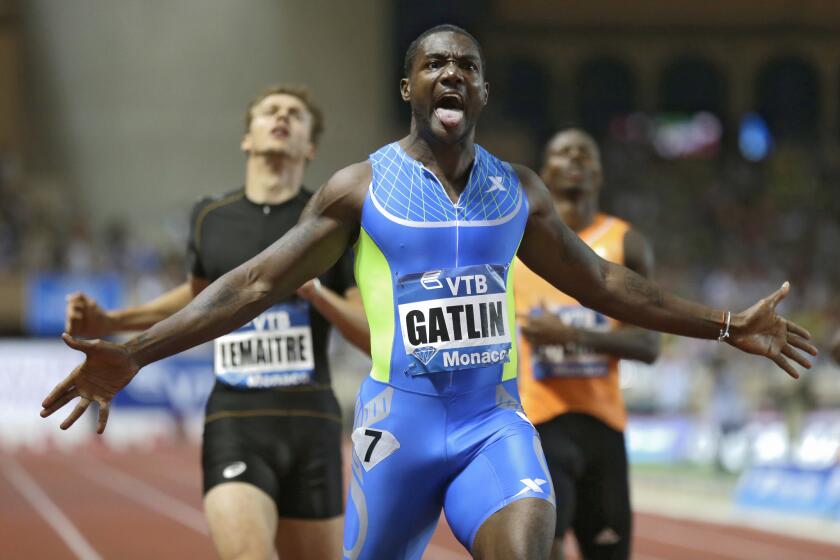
(626, 342)
(307, 250)
(328, 225)
(621, 293)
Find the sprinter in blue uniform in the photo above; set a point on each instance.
(440, 411)
(436, 221)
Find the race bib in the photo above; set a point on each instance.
(571, 360)
(273, 350)
(454, 319)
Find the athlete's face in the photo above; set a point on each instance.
(280, 125)
(572, 167)
(446, 86)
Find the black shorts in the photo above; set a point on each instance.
(587, 460)
(287, 443)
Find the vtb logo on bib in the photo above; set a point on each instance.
(454, 318)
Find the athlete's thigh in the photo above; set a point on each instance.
(242, 520)
(603, 516)
(310, 498)
(240, 485)
(309, 539)
(397, 477)
(522, 530)
(509, 468)
(312, 487)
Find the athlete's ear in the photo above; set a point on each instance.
(405, 89)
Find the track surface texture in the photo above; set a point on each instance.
(97, 504)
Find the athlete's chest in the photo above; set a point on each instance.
(417, 224)
(233, 237)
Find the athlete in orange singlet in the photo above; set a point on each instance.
(569, 362)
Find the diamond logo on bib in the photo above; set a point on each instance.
(454, 319)
(425, 354)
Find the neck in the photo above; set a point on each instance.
(577, 215)
(451, 162)
(272, 178)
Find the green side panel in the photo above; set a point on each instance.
(511, 368)
(373, 276)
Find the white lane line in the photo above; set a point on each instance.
(676, 534)
(47, 509)
(144, 493)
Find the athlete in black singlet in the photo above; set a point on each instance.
(271, 449)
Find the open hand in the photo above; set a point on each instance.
(84, 317)
(106, 370)
(759, 330)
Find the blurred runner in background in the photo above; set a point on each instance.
(569, 356)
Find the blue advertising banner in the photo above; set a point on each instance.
(180, 384)
(659, 439)
(47, 292)
(791, 489)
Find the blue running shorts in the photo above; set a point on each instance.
(413, 454)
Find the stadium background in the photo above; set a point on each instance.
(719, 125)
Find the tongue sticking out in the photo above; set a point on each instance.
(449, 117)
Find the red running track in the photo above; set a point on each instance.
(96, 504)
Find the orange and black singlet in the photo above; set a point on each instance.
(556, 379)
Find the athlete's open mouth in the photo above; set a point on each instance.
(280, 132)
(449, 109)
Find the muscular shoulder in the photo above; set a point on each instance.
(217, 200)
(213, 203)
(343, 195)
(539, 199)
(353, 177)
